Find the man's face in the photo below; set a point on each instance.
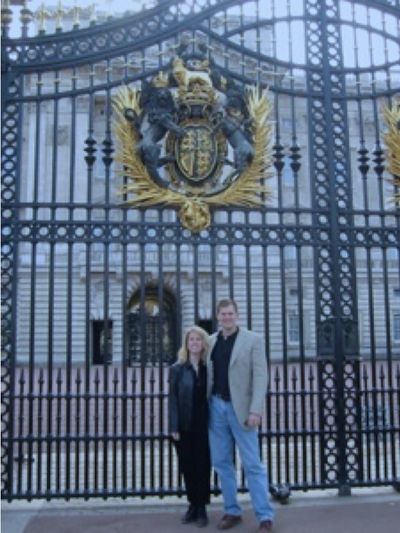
(227, 317)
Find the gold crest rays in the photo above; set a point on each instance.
(248, 190)
(392, 140)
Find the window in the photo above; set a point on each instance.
(99, 169)
(287, 172)
(290, 253)
(287, 124)
(101, 348)
(396, 326)
(293, 327)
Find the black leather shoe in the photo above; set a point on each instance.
(228, 521)
(202, 518)
(190, 515)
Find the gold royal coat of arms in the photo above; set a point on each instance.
(193, 139)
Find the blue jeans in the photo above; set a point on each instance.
(224, 430)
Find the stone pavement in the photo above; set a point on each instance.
(366, 511)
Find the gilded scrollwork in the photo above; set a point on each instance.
(392, 140)
(192, 139)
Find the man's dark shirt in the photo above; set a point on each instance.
(221, 356)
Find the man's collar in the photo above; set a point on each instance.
(231, 335)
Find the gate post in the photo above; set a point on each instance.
(11, 137)
(336, 305)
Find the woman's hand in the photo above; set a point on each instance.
(175, 436)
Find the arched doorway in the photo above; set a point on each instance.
(152, 327)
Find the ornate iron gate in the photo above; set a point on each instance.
(95, 295)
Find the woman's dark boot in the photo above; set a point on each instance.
(202, 518)
(190, 515)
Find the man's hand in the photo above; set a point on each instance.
(254, 420)
(175, 436)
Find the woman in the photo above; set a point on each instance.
(188, 421)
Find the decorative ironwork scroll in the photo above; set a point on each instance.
(337, 313)
(9, 250)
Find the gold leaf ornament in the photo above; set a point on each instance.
(146, 192)
(195, 214)
(392, 140)
(248, 189)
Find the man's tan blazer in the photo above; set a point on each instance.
(248, 374)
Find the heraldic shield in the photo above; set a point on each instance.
(196, 154)
(193, 139)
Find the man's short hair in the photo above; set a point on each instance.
(226, 302)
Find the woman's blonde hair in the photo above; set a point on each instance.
(183, 354)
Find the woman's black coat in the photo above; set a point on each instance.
(181, 387)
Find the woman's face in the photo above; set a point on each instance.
(195, 343)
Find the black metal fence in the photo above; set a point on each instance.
(96, 295)
(117, 443)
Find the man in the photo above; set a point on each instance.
(237, 384)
